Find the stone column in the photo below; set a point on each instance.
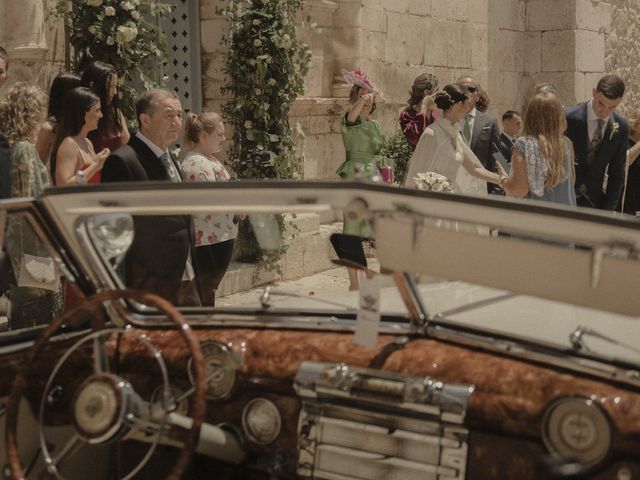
(316, 29)
(24, 30)
(24, 36)
(347, 42)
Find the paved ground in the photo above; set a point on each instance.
(325, 284)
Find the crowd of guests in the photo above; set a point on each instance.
(583, 155)
(78, 135)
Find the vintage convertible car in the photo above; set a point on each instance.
(500, 340)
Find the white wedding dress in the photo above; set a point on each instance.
(442, 150)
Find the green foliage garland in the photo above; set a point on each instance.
(118, 32)
(266, 65)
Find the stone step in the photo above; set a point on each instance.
(309, 252)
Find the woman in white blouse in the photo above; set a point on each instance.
(442, 150)
(214, 233)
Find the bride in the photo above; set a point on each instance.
(442, 150)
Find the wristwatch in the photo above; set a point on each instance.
(80, 177)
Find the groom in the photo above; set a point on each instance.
(600, 140)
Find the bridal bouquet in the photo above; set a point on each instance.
(433, 181)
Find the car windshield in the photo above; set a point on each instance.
(298, 260)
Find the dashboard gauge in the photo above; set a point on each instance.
(175, 393)
(577, 428)
(220, 367)
(261, 421)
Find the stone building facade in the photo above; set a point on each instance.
(508, 45)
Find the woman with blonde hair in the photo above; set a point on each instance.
(214, 233)
(630, 200)
(542, 161)
(21, 113)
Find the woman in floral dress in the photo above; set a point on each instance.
(214, 233)
(21, 113)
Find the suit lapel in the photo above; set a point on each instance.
(478, 123)
(151, 164)
(581, 133)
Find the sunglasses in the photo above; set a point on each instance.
(472, 89)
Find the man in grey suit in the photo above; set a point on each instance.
(480, 131)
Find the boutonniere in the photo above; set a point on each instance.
(615, 126)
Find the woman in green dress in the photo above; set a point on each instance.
(361, 135)
(363, 141)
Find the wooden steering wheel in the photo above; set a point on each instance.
(105, 406)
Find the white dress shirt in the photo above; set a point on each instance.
(592, 120)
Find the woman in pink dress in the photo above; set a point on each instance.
(75, 160)
(421, 111)
(215, 232)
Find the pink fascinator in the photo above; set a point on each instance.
(359, 78)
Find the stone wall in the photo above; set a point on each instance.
(622, 49)
(508, 45)
(396, 41)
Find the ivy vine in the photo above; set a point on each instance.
(265, 67)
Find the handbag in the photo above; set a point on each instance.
(37, 271)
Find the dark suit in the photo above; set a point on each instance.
(161, 245)
(5, 168)
(611, 154)
(484, 142)
(506, 147)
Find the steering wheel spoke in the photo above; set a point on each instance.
(100, 358)
(69, 449)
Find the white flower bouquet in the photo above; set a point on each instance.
(434, 182)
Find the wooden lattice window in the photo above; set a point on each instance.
(183, 68)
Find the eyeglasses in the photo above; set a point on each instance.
(472, 89)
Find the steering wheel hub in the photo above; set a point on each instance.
(99, 407)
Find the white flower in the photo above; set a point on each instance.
(109, 11)
(615, 126)
(268, 59)
(266, 105)
(93, 30)
(272, 81)
(273, 138)
(256, 22)
(126, 34)
(110, 40)
(94, 3)
(257, 42)
(248, 124)
(433, 181)
(135, 14)
(126, 6)
(252, 62)
(258, 91)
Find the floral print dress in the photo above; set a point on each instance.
(210, 228)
